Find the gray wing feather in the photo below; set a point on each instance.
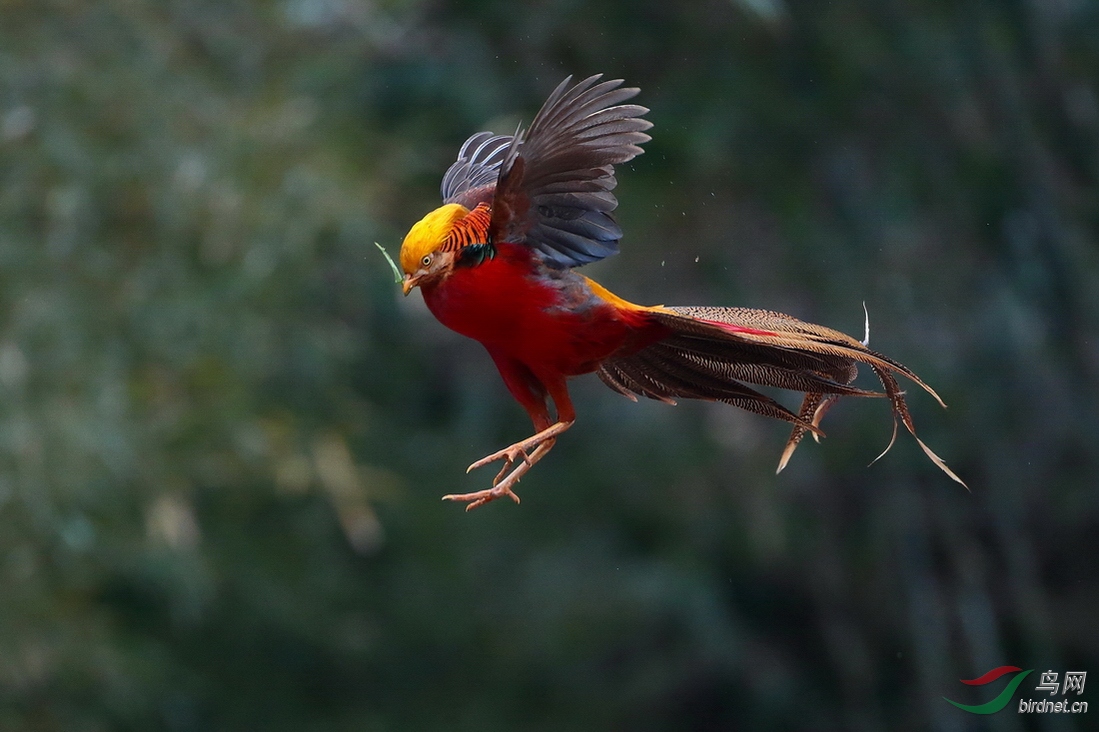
(472, 177)
(556, 178)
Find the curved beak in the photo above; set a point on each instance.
(408, 283)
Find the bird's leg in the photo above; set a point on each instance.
(530, 390)
(518, 459)
(520, 450)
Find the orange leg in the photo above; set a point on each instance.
(530, 391)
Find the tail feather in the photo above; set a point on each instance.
(657, 373)
(771, 330)
(900, 409)
(812, 410)
(712, 353)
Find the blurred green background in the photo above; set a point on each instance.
(224, 434)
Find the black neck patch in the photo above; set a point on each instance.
(473, 255)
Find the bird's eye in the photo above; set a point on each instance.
(426, 260)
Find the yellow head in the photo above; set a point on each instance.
(428, 235)
(433, 245)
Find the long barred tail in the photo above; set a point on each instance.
(713, 352)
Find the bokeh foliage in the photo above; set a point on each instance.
(223, 434)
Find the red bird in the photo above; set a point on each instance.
(496, 263)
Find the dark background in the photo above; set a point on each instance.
(224, 434)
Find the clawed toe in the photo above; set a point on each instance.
(510, 456)
(518, 459)
(501, 485)
(480, 498)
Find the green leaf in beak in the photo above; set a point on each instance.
(397, 276)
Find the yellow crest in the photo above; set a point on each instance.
(429, 234)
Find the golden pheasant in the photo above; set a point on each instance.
(496, 263)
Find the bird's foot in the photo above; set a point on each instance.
(480, 498)
(518, 459)
(510, 455)
(516, 456)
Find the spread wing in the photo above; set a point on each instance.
(550, 185)
(472, 177)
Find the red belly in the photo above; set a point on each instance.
(549, 321)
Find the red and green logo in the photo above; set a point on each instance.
(991, 707)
